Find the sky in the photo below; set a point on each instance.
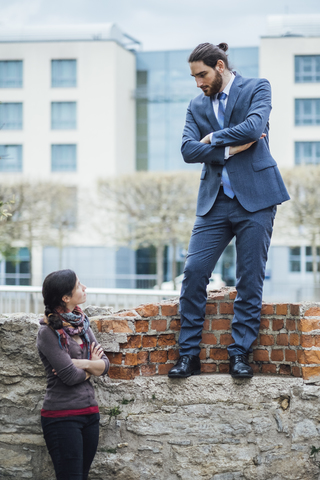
(161, 24)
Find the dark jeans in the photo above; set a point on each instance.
(72, 443)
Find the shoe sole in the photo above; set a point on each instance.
(197, 372)
(242, 376)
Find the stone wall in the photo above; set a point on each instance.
(209, 427)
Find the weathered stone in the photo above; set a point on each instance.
(93, 311)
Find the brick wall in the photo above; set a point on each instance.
(288, 341)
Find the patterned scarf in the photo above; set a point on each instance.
(73, 323)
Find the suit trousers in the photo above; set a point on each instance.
(210, 236)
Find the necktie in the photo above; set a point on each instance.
(227, 189)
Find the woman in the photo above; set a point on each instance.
(70, 354)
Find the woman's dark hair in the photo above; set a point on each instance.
(210, 54)
(55, 286)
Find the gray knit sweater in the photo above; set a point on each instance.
(68, 390)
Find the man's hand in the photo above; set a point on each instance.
(206, 139)
(241, 148)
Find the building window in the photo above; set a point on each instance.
(17, 269)
(63, 115)
(10, 158)
(11, 116)
(307, 111)
(309, 259)
(307, 153)
(63, 158)
(11, 74)
(64, 73)
(295, 259)
(307, 68)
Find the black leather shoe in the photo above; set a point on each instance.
(186, 366)
(239, 367)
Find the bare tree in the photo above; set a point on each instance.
(42, 214)
(151, 208)
(300, 217)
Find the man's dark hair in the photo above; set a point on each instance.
(209, 54)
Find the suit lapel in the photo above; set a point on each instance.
(233, 95)
(210, 114)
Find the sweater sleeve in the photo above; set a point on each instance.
(104, 357)
(58, 358)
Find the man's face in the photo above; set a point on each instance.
(207, 78)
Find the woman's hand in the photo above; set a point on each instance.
(96, 351)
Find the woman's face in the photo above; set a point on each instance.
(78, 296)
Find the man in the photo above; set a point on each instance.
(227, 131)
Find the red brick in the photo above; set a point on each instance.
(206, 324)
(133, 342)
(282, 309)
(255, 367)
(307, 341)
(208, 367)
(295, 309)
(169, 309)
(211, 309)
(285, 370)
(317, 340)
(131, 359)
(282, 339)
(148, 310)
(277, 355)
(220, 324)
(226, 339)
(115, 358)
(142, 325)
(121, 373)
(143, 357)
(267, 309)
(209, 338)
(268, 368)
(296, 371)
(311, 373)
(148, 370)
(159, 356)
(264, 324)
(216, 295)
(266, 340)
(255, 343)
(300, 355)
(166, 340)
(312, 312)
(261, 355)
(173, 354)
(226, 308)
(127, 313)
(163, 369)
(309, 356)
(175, 325)
(223, 367)
(219, 353)
(294, 339)
(149, 341)
(203, 354)
(116, 326)
(277, 324)
(309, 324)
(290, 355)
(290, 324)
(232, 294)
(159, 325)
(97, 323)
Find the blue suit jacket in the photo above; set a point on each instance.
(253, 173)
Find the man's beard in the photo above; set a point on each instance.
(215, 86)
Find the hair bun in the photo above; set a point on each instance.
(223, 46)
